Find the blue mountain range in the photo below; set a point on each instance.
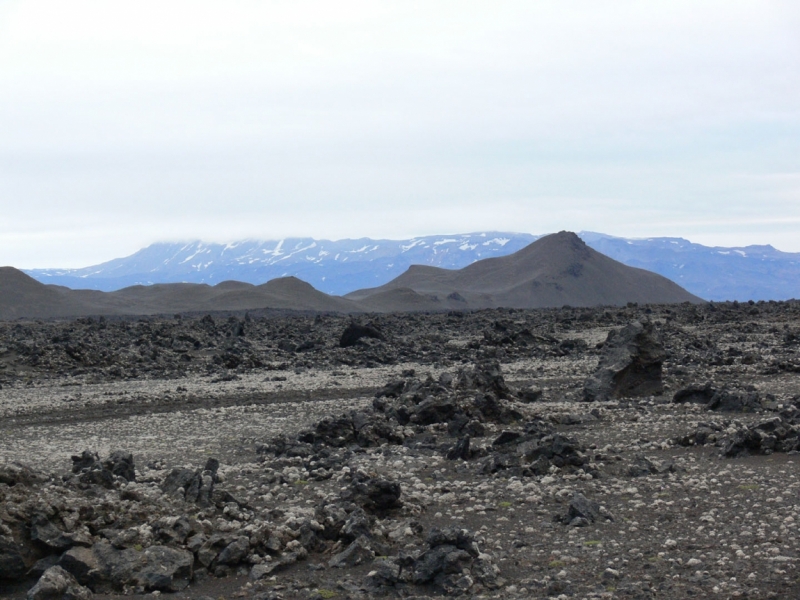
(339, 267)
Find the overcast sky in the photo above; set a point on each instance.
(125, 123)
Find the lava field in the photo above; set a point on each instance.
(620, 452)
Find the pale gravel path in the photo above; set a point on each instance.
(187, 435)
(65, 396)
(177, 438)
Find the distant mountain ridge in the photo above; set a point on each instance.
(711, 272)
(555, 270)
(340, 267)
(334, 267)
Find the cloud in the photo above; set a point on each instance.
(127, 123)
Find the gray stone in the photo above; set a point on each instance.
(462, 539)
(85, 461)
(57, 584)
(235, 552)
(13, 473)
(460, 450)
(41, 565)
(359, 552)
(383, 577)
(377, 495)
(48, 535)
(355, 332)
(582, 511)
(83, 564)
(211, 548)
(120, 464)
(358, 524)
(198, 487)
(155, 568)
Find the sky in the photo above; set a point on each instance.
(127, 123)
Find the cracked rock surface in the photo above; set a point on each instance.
(452, 454)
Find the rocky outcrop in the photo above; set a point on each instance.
(630, 365)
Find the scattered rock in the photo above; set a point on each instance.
(356, 490)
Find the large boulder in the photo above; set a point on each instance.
(452, 563)
(57, 584)
(103, 567)
(12, 565)
(630, 365)
(355, 332)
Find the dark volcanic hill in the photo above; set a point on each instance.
(24, 297)
(553, 271)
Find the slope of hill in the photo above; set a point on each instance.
(555, 270)
(23, 296)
